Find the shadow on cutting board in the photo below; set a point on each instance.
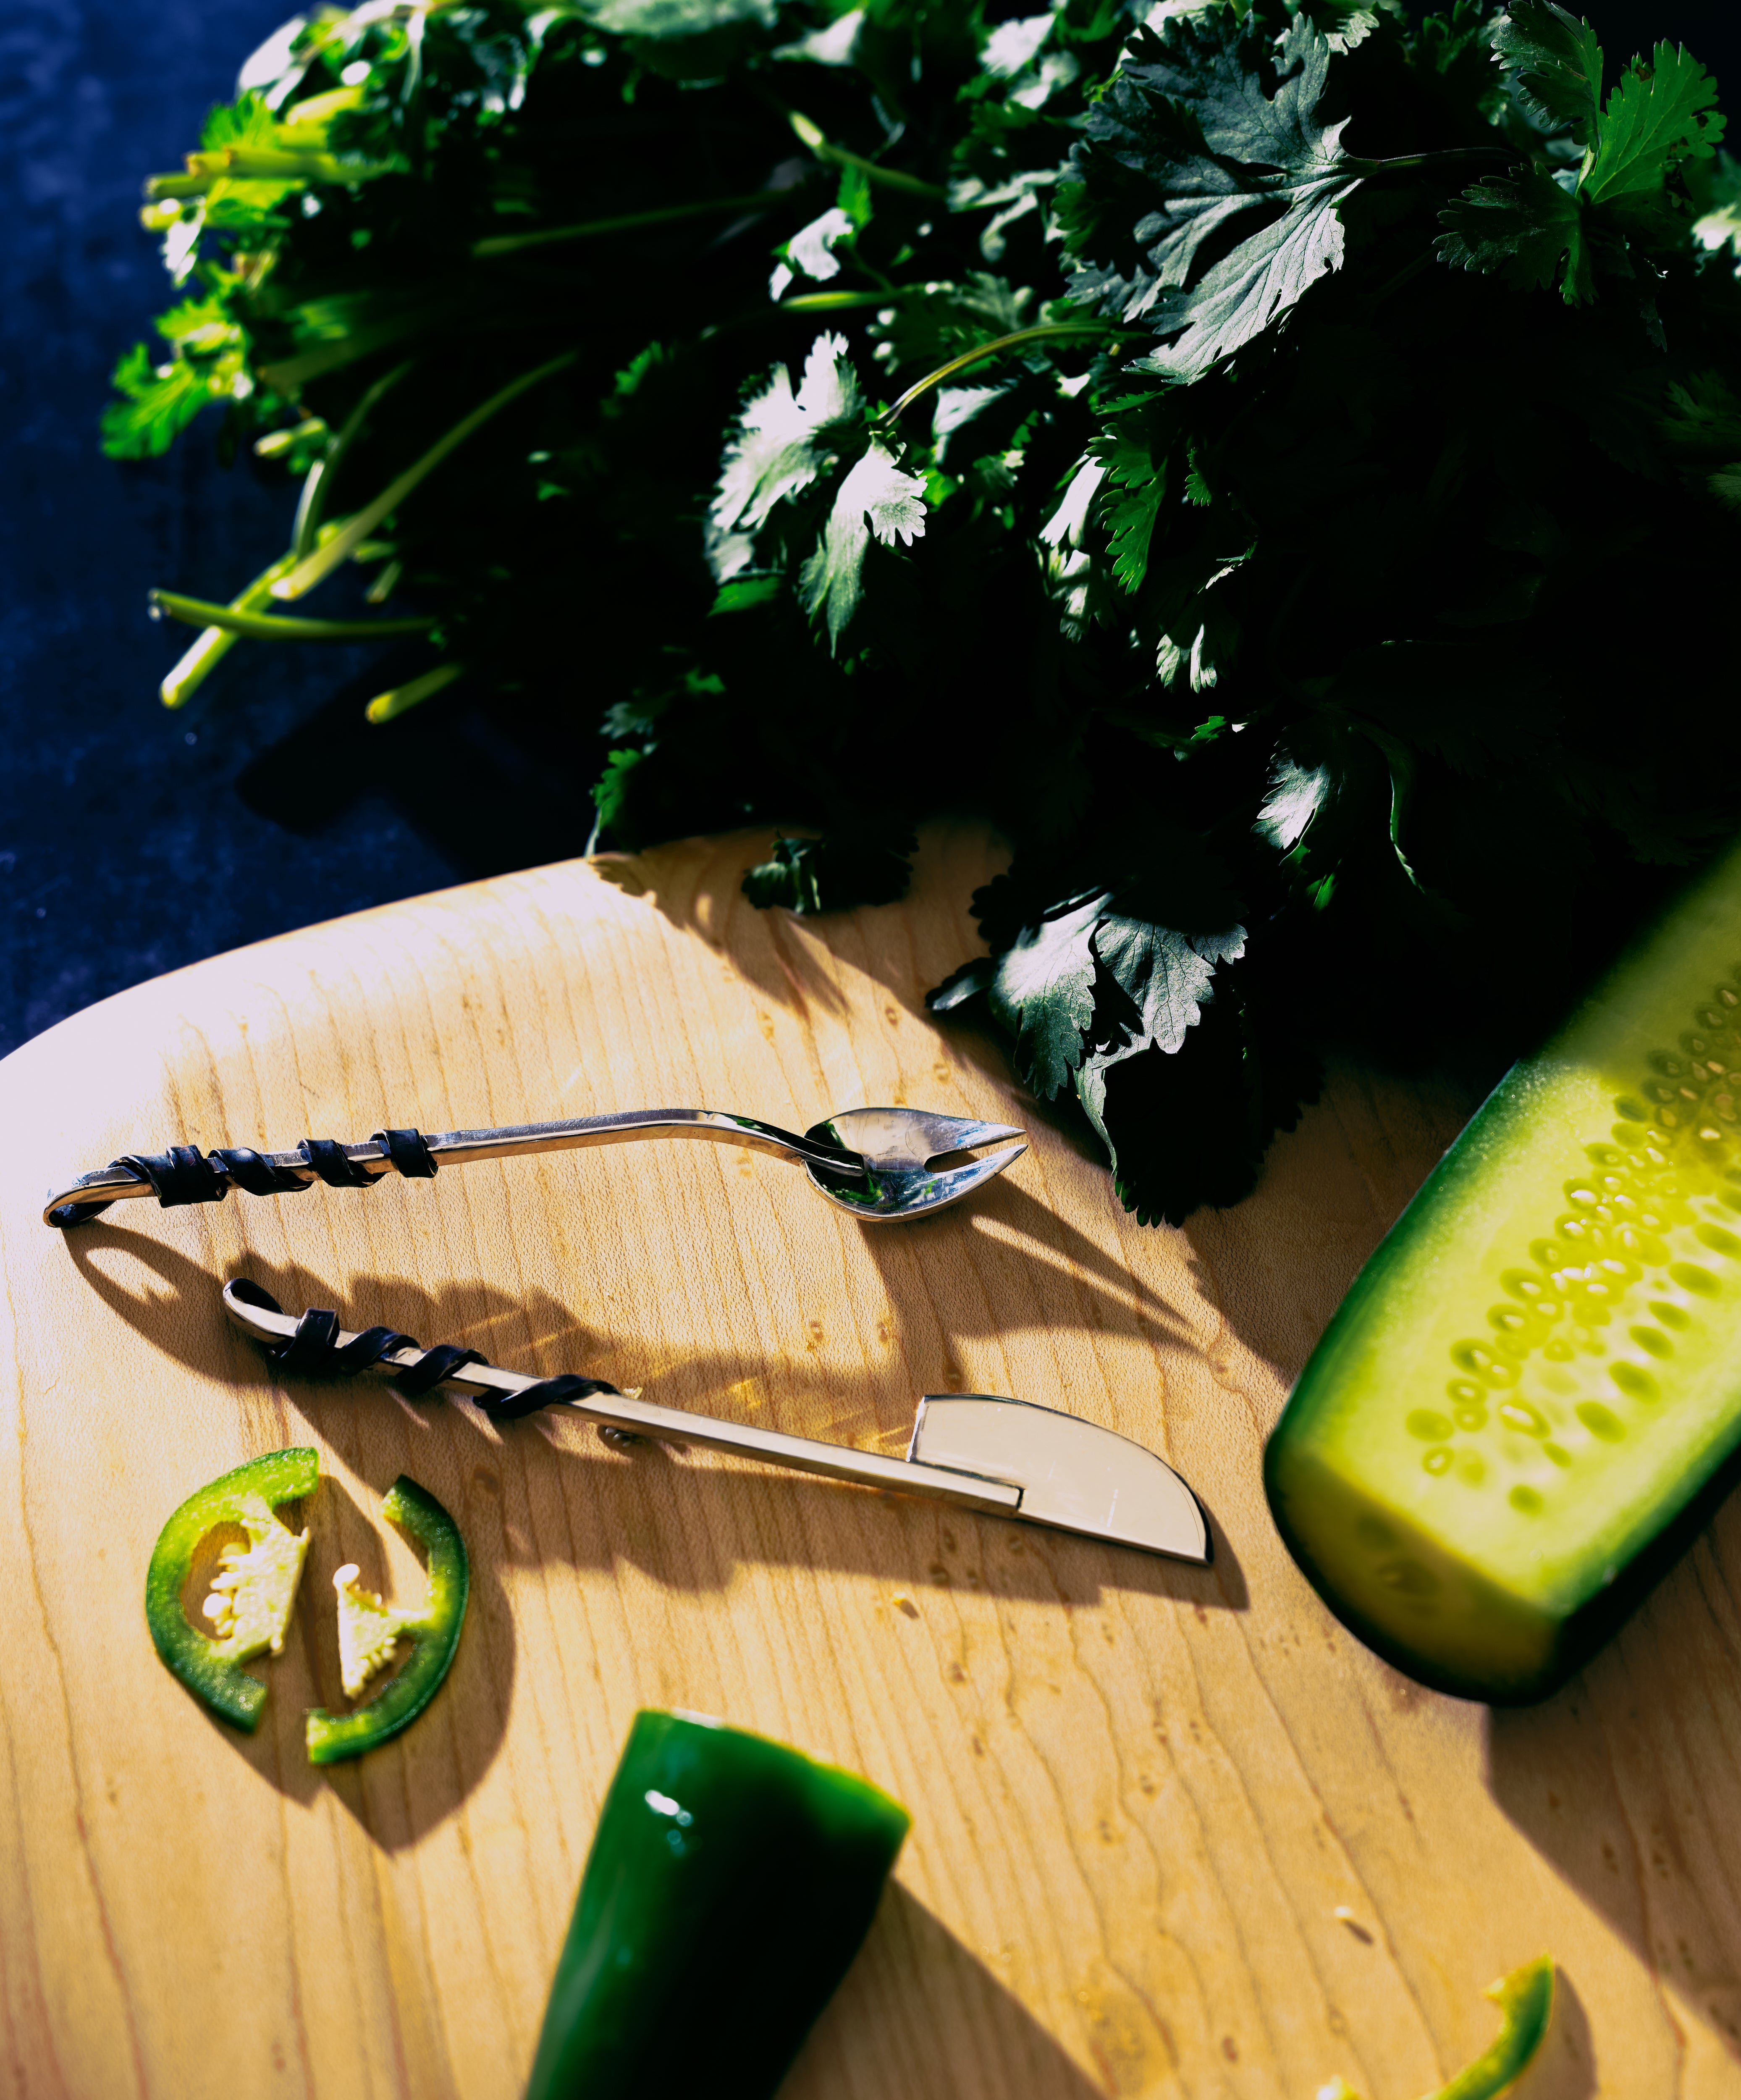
(687, 1521)
(1276, 1266)
(697, 886)
(1565, 2067)
(1626, 1778)
(927, 2020)
(1031, 1268)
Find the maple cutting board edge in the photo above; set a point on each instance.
(1174, 1832)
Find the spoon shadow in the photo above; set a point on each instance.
(1035, 1270)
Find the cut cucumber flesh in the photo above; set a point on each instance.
(1539, 1371)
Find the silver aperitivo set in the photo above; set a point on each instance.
(977, 1451)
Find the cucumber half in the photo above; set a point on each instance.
(1526, 1400)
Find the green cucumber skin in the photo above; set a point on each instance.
(1494, 1577)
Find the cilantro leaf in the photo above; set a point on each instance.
(1135, 489)
(1658, 115)
(1555, 65)
(837, 45)
(785, 442)
(1297, 794)
(779, 447)
(958, 408)
(157, 403)
(851, 865)
(811, 250)
(1519, 227)
(1716, 192)
(246, 122)
(1338, 791)
(199, 328)
(1522, 226)
(1702, 419)
(942, 320)
(610, 791)
(680, 18)
(1190, 116)
(1191, 1128)
(1065, 526)
(1164, 947)
(1107, 979)
(1347, 23)
(1043, 993)
(875, 497)
(1012, 46)
(1169, 976)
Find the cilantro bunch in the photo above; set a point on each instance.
(1278, 459)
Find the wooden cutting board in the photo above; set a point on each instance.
(1174, 1832)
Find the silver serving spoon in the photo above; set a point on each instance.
(976, 1451)
(879, 1164)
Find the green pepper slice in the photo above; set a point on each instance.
(368, 1630)
(250, 1600)
(730, 1882)
(1525, 1999)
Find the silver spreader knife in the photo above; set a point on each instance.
(974, 1450)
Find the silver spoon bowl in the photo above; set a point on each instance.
(902, 1149)
(882, 1165)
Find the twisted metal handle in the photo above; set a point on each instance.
(186, 1174)
(314, 1351)
(183, 1174)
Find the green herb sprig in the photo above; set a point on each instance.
(1277, 458)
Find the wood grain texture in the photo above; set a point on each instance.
(1174, 1832)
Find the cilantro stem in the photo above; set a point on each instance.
(1427, 160)
(209, 648)
(385, 584)
(1040, 335)
(195, 665)
(814, 136)
(255, 163)
(1411, 269)
(159, 188)
(276, 442)
(317, 487)
(513, 244)
(820, 303)
(275, 627)
(272, 163)
(399, 700)
(290, 374)
(325, 559)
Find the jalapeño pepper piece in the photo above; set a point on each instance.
(1525, 1999)
(250, 1601)
(730, 1883)
(369, 1630)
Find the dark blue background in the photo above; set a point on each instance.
(132, 840)
(125, 847)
